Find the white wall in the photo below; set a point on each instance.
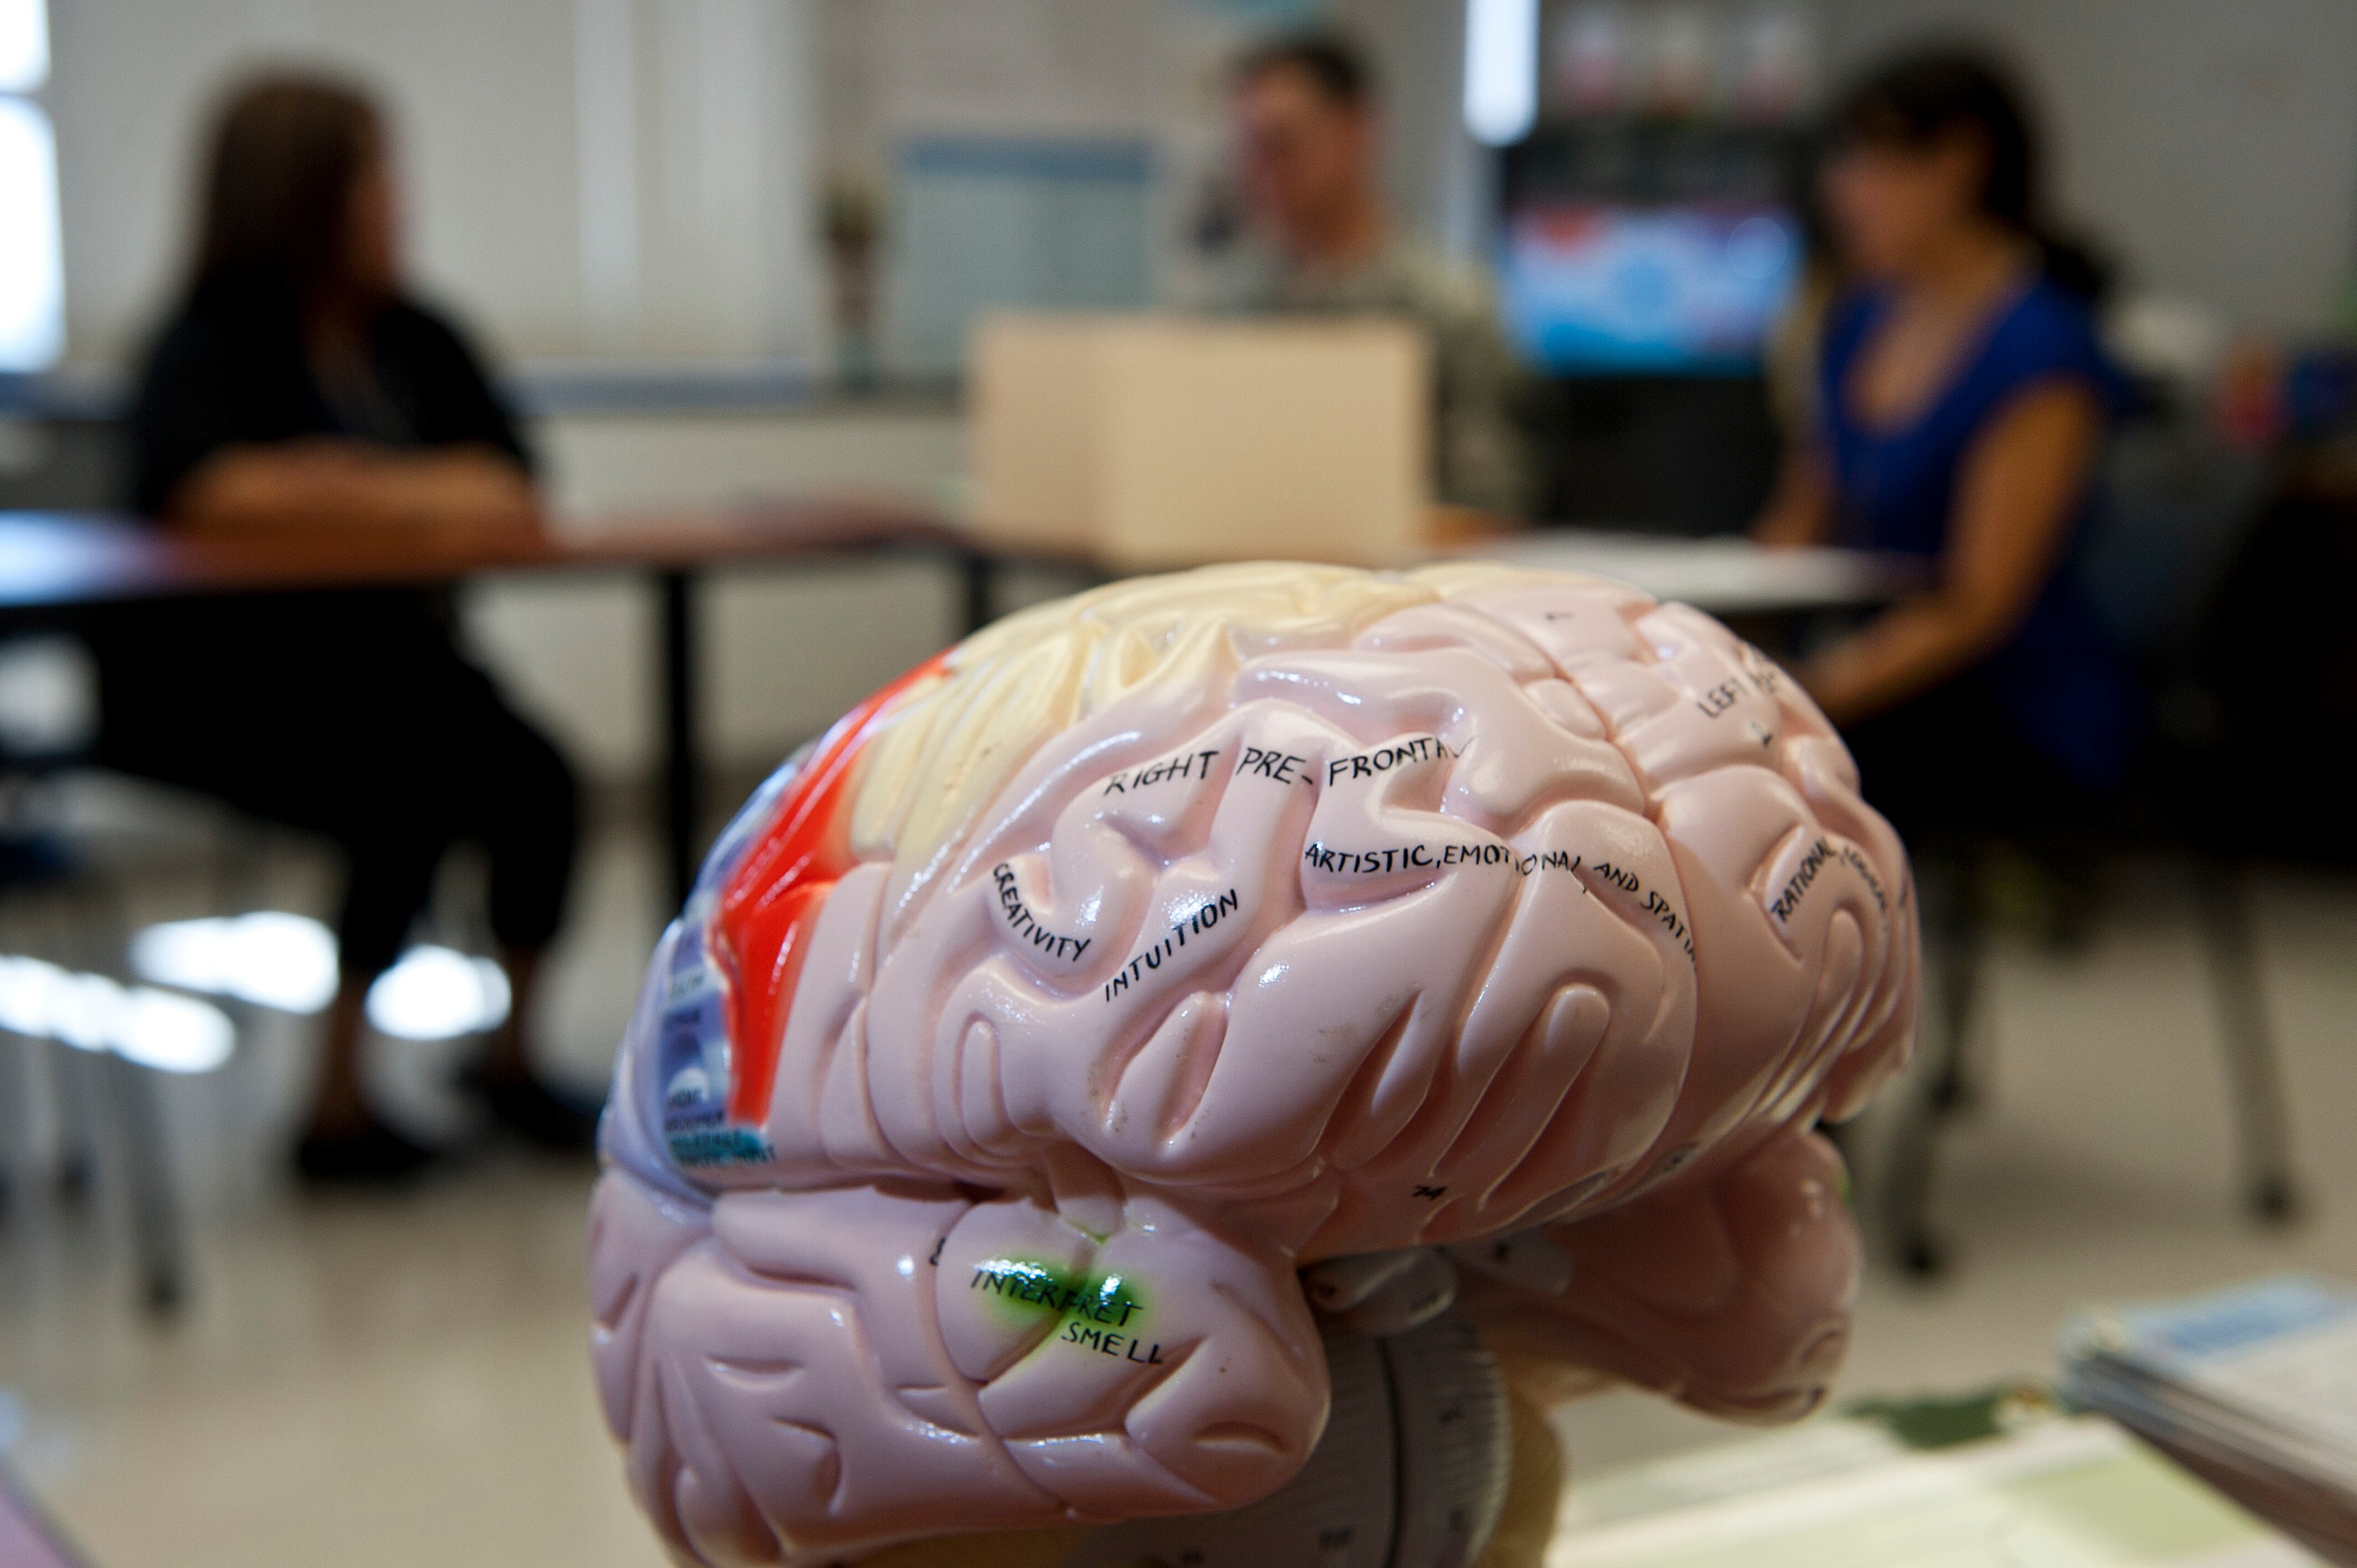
(786, 651)
(2211, 144)
(582, 177)
(1143, 69)
(1437, 176)
(783, 654)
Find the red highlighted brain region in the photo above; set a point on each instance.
(1028, 1036)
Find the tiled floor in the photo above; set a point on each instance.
(402, 1380)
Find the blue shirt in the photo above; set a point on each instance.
(2061, 679)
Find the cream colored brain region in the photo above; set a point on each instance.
(1026, 1037)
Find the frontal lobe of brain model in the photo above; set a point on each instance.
(1042, 1045)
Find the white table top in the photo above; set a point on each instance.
(1723, 576)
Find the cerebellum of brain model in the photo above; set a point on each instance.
(1050, 1054)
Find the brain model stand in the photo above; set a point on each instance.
(1126, 1092)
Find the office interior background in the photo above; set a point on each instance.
(730, 253)
(622, 197)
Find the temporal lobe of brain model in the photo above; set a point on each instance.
(1025, 1037)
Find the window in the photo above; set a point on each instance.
(32, 270)
(1502, 69)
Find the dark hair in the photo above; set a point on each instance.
(284, 154)
(1929, 95)
(1332, 62)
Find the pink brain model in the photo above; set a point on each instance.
(1025, 1042)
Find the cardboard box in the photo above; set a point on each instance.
(1164, 441)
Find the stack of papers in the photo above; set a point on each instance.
(2037, 1489)
(2254, 1388)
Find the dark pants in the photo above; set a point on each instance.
(352, 715)
(1950, 765)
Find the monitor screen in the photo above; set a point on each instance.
(1598, 288)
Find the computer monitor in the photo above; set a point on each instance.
(1600, 288)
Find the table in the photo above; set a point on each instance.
(53, 563)
(1727, 576)
(1724, 577)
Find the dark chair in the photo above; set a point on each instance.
(1955, 935)
(2165, 566)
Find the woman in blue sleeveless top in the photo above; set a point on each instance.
(1963, 402)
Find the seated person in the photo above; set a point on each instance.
(297, 389)
(1305, 129)
(1962, 406)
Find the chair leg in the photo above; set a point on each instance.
(158, 1235)
(240, 866)
(1907, 1179)
(2255, 1074)
(1953, 1088)
(76, 1171)
(12, 1120)
(155, 1229)
(1954, 930)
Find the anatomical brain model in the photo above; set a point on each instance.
(1190, 1008)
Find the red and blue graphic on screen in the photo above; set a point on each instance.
(1601, 288)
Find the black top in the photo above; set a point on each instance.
(230, 371)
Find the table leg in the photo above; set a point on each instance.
(682, 772)
(977, 575)
(158, 1238)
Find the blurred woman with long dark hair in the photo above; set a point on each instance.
(1962, 407)
(297, 389)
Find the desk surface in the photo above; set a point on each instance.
(55, 560)
(1724, 576)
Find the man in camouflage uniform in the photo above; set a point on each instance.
(1323, 244)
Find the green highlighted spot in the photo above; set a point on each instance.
(1101, 1314)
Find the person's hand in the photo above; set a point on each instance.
(455, 494)
(465, 493)
(1799, 508)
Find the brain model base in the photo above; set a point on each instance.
(1059, 1061)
